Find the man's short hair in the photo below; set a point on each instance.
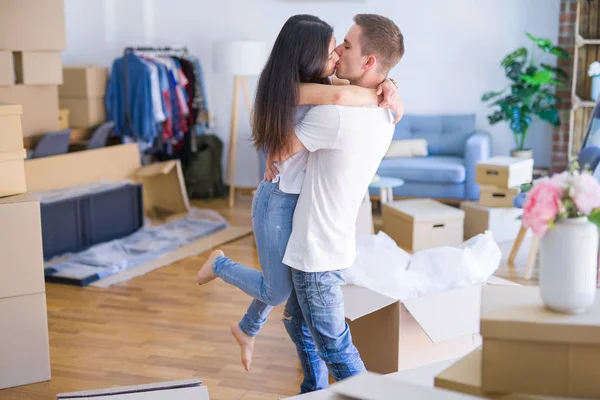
(382, 37)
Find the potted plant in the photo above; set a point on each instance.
(530, 92)
(564, 211)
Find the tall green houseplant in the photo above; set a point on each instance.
(530, 92)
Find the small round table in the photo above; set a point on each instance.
(386, 185)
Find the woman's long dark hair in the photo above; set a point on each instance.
(300, 54)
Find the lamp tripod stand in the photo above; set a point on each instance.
(239, 80)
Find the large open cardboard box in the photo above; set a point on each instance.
(164, 192)
(413, 332)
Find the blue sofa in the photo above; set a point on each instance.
(448, 172)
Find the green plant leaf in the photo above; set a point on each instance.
(496, 117)
(524, 92)
(560, 73)
(559, 52)
(507, 103)
(550, 115)
(490, 95)
(514, 70)
(594, 217)
(541, 77)
(520, 53)
(540, 42)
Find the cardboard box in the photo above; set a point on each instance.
(504, 172)
(504, 223)
(40, 106)
(414, 332)
(372, 386)
(191, 389)
(38, 68)
(24, 340)
(22, 264)
(464, 376)
(84, 112)
(27, 25)
(12, 173)
(83, 81)
(7, 71)
(164, 190)
(11, 131)
(494, 196)
(422, 223)
(63, 119)
(118, 163)
(528, 349)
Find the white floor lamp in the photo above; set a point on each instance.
(240, 59)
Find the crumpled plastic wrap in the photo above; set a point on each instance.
(382, 266)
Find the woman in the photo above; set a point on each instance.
(296, 74)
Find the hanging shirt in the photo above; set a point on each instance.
(139, 107)
(157, 104)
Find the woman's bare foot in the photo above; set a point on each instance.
(246, 345)
(207, 273)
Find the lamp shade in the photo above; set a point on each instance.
(245, 58)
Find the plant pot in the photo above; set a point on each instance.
(524, 154)
(569, 265)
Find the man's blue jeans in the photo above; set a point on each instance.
(315, 321)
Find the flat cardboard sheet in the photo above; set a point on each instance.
(372, 386)
(191, 389)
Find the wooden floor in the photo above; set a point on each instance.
(162, 326)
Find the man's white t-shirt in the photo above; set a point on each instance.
(346, 146)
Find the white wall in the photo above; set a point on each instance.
(453, 48)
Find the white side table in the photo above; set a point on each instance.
(386, 187)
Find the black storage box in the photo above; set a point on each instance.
(76, 223)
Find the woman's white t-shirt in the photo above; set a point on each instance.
(292, 171)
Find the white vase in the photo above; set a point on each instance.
(595, 89)
(569, 265)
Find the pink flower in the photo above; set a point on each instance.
(585, 193)
(542, 206)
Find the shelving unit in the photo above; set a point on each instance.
(587, 50)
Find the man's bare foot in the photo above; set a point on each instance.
(207, 273)
(246, 345)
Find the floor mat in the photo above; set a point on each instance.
(149, 248)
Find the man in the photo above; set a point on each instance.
(347, 145)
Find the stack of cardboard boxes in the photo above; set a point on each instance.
(32, 35)
(24, 335)
(528, 351)
(500, 179)
(82, 94)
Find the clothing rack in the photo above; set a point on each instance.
(163, 51)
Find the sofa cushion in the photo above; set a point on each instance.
(445, 134)
(431, 169)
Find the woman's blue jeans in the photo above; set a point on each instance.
(272, 215)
